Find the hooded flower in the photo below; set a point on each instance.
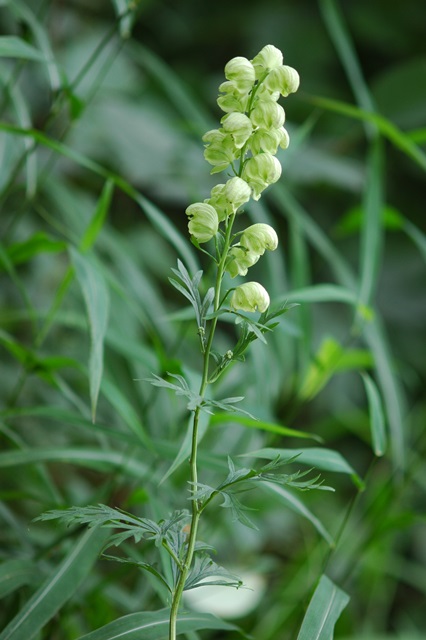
(259, 237)
(203, 221)
(240, 260)
(250, 296)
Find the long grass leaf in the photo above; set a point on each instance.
(96, 297)
(377, 420)
(90, 458)
(97, 221)
(157, 217)
(153, 625)
(262, 425)
(324, 610)
(334, 21)
(372, 228)
(59, 587)
(14, 47)
(296, 505)
(388, 130)
(25, 14)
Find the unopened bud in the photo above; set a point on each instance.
(250, 296)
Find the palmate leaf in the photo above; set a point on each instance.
(107, 517)
(205, 572)
(145, 566)
(189, 288)
(245, 479)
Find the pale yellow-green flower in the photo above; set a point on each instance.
(250, 296)
(239, 126)
(259, 237)
(268, 58)
(283, 79)
(240, 260)
(260, 171)
(241, 72)
(237, 192)
(203, 221)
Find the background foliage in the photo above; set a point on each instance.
(102, 110)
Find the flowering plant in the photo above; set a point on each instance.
(245, 145)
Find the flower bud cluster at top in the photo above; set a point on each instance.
(252, 131)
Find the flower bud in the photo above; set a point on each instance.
(203, 221)
(237, 192)
(241, 72)
(267, 140)
(218, 200)
(283, 79)
(239, 126)
(260, 171)
(268, 114)
(268, 58)
(259, 237)
(250, 296)
(240, 261)
(220, 150)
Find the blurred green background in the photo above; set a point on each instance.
(89, 230)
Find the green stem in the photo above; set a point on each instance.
(196, 507)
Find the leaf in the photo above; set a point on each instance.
(321, 369)
(262, 425)
(185, 449)
(298, 507)
(96, 297)
(40, 242)
(15, 573)
(14, 47)
(324, 610)
(399, 139)
(96, 223)
(82, 456)
(324, 459)
(377, 419)
(154, 625)
(59, 587)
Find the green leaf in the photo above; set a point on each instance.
(38, 243)
(377, 419)
(14, 47)
(324, 459)
(96, 297)
(59, 587)
(153, 625)
(399, 139)
(321, 369)
(15, 573)
(296, 505)
(262, 425)
(324, 610)
(81, 456)
(96, 223)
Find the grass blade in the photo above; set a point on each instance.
(14, 47)
(96, 297)
(270, 427)
(388, 130)
(324, 609)
(59, 587)
(104, 461)
(377, 419)
(153, 625)
(296, 505)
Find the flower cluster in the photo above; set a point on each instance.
(251, 132)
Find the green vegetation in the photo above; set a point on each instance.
(103, 107)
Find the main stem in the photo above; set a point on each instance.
(196, 507)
